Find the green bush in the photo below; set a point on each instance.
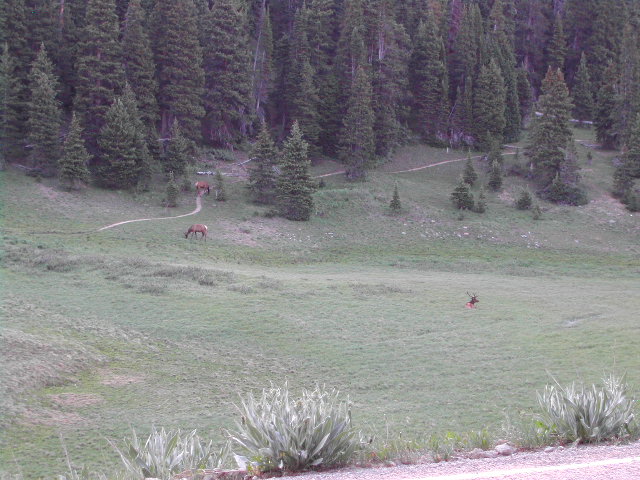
(588, 414)
(524, 201)
(283, 433)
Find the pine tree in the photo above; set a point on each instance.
(470, 176)
(550, 131)
(99, 68)
(627, 102)
(489, 106)
(462, 197)
(5, 92)
(119, 148)
(506, 61)
(263, 68)
(631, 157)
(464, 61)
(395, 206)
(305, 104)
(262, 175)
(605, 109)
(536, 212)
(582, 93)
(44, 117)
(557, 48)
(357, 141)
(178, 58)
(72, 164)
(177, 155)
(524, 92)
(143, 157)
(227, 79)
(221, 195)
(524, 200)
(294, 186)
(172, 191)
(138, 63)
(495, 176)
(428, 82)
(481, 204)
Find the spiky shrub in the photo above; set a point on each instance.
(278, 432)
(588, 414)
(166, 453)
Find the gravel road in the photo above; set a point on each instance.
(575, 463)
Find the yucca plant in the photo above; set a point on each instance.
(167, 453)
(582, 414)
(278, 432)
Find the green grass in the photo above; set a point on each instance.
(136, 326)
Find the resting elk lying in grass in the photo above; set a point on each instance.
(195, 229)
(472, 303)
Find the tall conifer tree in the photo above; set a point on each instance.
(582, 93)
(605, 108)
(72, 165)
(628, 91)
(44, 117)
(262, 175)
(294, 186)
(557, 48)
(489, 106)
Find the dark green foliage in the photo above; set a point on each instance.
(502, 50)
(524, 92)
(100, 76)
(227, 80)
(536, 212)
(4, 98)
(44, 117)
(495, 176)
(72, 164)
(461, 197)
(557, 49)
(177, 155)
(524, 200)
(627, 101)
(583, 104)
(632, 200)
(144, 159)
(221, 195)
(469, 175)
(489, 106)
(631, 156)
(357, 141)
(138, 63)
(294, 186)
(464, 61)
(605, 109)
(550, 131)
(263, 67)
(262, 174)
(119, 143)
(395, 206)
(178, 58)
(481, 203)
(428, 82)
(172, 191)
(563, 192)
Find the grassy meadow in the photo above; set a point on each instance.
(135, 326)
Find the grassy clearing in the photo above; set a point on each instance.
(136, 326)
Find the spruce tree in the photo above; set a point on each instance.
(221, 194)
(172, 191)
(495, 176)
(395, 206)
(305, 104)
(44, 117)
(176, 157)
(582, 93)
(263, 67)
(524, 200)
(138, 63)
(294, 186)
(469, 175)
(262, 175)
(119, 148)
(524, 92)
(631, 156)
(464, 61)
(72, 164)
(130, 103)
(489, 106)
(557, 48)
(357, 141)
(178, 58)
(461, 197)
(627, 102)
(227, 79)
(100, 76)
(481, 204)
(550, 131)
(428, 82)
(605, 109)
(5, 92)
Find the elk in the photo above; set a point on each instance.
(195, 229)
(201, 187)
(472, 303)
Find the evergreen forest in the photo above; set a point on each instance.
(111, 91)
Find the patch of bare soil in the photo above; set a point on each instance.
(76, 400)
(112, 379)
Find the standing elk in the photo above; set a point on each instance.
(201, 187)
(195, 229)
(472, 303)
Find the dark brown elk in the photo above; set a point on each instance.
(472, 303)
(201, 187)
(194, 230)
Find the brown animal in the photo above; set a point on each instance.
(472, 303)
(201, 187)
(195, 229)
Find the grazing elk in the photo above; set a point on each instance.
(472, 303)
(201, 187)
(195, 229)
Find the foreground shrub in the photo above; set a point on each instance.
(283, 433)
(588, 414)
(167, 453)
